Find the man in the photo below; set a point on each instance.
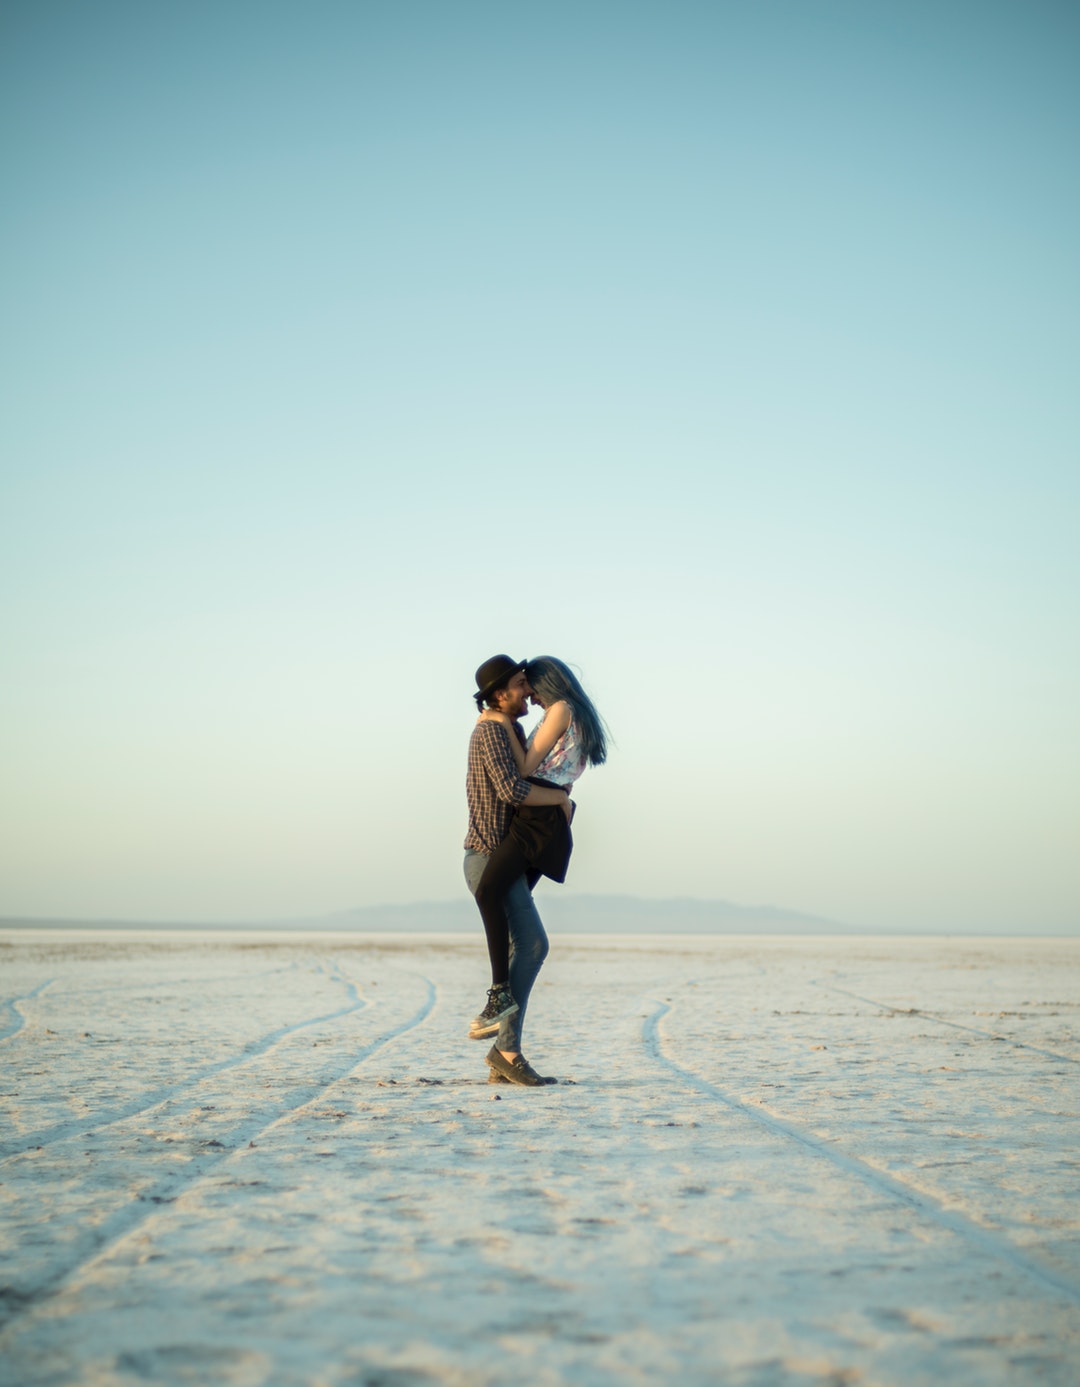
(494, 788)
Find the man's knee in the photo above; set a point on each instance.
(529, 946)
(527, 934)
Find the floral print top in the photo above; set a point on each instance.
(565, 761)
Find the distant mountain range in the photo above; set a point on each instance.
(564, 913)
(567, 914)
(572, 914)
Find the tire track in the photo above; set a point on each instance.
(994, 1244)
(944, 1021)
(147, 1102)
(133, 1217)
(16, 1020)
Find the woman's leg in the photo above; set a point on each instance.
(505, 866)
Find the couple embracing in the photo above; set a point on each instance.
(520, 810)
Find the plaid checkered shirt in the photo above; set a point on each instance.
(493, 785)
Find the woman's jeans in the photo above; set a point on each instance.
(528, 947)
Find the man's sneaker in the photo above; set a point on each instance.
(500, 1005)
(517, 1071)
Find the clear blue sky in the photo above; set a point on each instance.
(728, 351)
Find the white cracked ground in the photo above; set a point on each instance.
(245, 1158)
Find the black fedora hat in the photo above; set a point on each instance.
(494, 673)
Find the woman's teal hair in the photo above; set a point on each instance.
(551, 681)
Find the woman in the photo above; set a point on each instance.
(570, 737)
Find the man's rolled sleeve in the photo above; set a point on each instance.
(502, 768)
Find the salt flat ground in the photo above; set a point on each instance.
(265, 1158)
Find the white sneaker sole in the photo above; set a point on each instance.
(488, 1028)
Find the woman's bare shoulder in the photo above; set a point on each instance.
(559, 715)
